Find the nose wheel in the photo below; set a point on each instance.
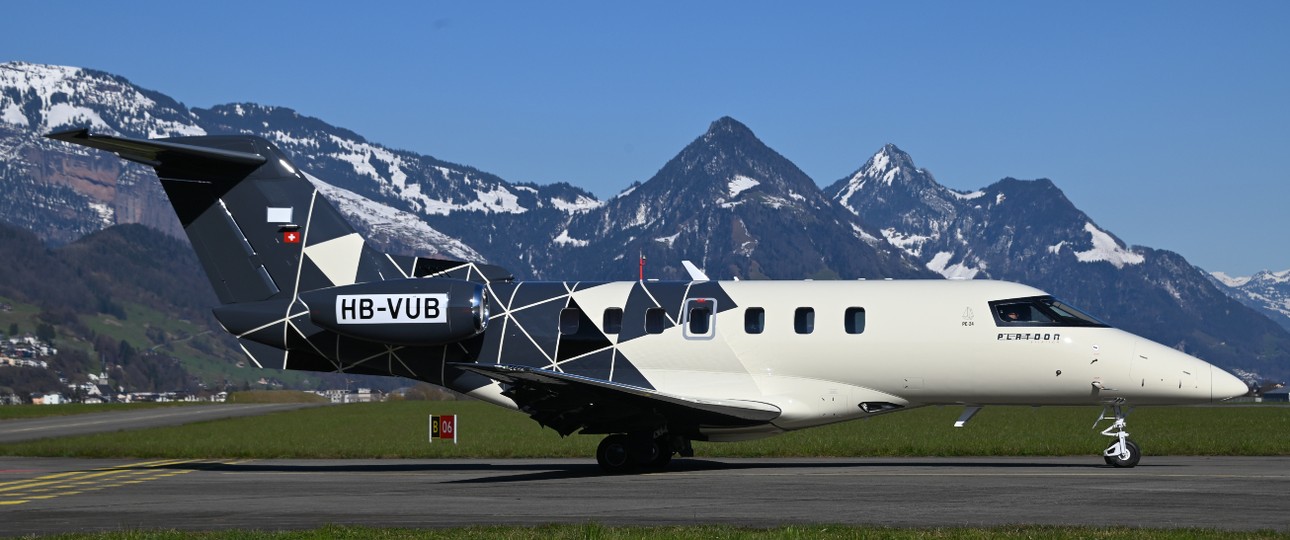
(1122, 453)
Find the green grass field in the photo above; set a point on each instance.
(399, 430)
(594, 531)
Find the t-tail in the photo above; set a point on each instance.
(299, 287)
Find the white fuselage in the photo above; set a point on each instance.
(923, 342)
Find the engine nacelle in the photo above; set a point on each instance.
(417, 311)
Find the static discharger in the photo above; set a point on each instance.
(443, 427)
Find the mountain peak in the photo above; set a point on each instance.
(727, 127)
(887, 164)
(728, 124)
(888, 168)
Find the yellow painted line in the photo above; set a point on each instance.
(79, 477)
(46, 477)
(57, 482)
(84, 480)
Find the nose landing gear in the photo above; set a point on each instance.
(1122, 453)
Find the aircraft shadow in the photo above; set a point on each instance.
(530, 470)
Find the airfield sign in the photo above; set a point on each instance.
(443, 427)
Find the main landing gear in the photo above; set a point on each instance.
(1122, 453)
(631, 452)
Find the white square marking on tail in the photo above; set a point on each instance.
(279, 215)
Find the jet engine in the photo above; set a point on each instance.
(417, 312)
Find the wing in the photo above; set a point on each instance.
(567, 403)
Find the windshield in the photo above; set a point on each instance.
(1040, 311)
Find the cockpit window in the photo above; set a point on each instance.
(1040, 311)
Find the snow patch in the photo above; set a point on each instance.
(1057, 248)
(565, 239)
(1229, 280)
(669, 240)
(954, 271)
(13, 115)
(1105, 248)
(864, 235)
(967, 196)
(66, 114)
(739, 184)
(909, 243)
(998, 199)
(107, 215)
(380, 219)
(582, 204)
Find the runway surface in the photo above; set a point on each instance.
(48, 495)
(84, 424)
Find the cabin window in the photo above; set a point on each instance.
(754, 320)
(569, 320)
(699, 317)
(655, 320)
(613, 321)
(804, 320)
(700, 320)
(855, 320)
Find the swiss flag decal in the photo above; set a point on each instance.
(291, 237)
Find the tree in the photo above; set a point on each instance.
(45, 332)
(13, 329)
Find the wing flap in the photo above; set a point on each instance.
(568, 402)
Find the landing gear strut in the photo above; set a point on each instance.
(1122, 453)
(628, 453)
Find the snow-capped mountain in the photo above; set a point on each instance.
(1266, 291)
(411, 182)
(1028, 231)
(734, 207)
(63, 192)
(727, 202)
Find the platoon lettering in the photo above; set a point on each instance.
(1029, 337)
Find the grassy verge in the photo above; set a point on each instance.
(593, 531)
(275, 396)
(15, 412)
(399, 430)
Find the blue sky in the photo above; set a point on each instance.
(1167, 122)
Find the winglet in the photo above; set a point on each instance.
(695, 273)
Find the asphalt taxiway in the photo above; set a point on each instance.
(84, 424)
(53, 495)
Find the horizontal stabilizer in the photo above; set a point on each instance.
(156, 152)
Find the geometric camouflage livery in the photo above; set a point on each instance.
(240, 200)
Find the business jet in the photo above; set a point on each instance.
(653, 365)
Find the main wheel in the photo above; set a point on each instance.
(664, 454)
(1120, 461)
(614, 455)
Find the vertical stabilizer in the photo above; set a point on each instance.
(260, 229)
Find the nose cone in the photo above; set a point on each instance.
(1224, 385)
